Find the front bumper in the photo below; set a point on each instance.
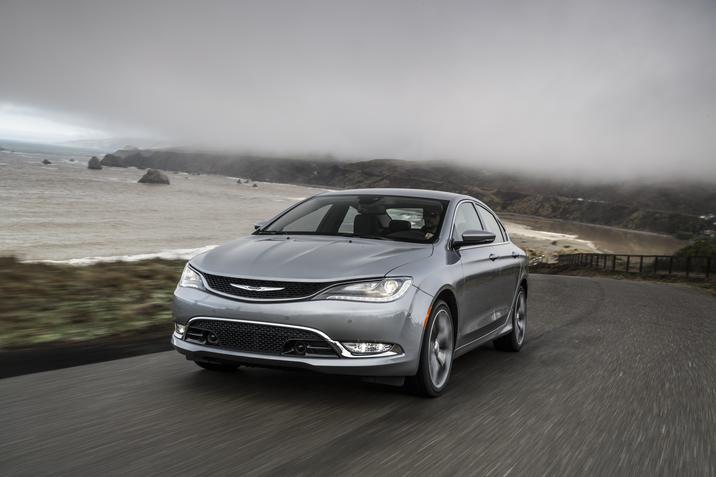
(399, 322)
(398, 365)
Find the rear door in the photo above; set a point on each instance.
(506, 262)
(480, 286)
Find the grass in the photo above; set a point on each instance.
(44, 304)
(574, 270)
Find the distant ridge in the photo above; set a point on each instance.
(662, 208)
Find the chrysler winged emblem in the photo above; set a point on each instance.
(256, 289)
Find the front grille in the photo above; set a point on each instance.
(287, 290)
(259, 338)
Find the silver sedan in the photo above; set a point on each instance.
(390, 284)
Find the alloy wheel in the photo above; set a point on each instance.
(441, 348)
(520, 322)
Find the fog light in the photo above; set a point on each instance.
(179, 329)
(368, 348)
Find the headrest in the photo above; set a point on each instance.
(399, 226)
(364, 224)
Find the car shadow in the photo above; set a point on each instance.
(296, 386)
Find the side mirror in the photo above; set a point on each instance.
(258, 225)
(474, 237)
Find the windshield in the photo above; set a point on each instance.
(410, 219)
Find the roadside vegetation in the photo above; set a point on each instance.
(51, 304)
(705, 247)
(45, 304)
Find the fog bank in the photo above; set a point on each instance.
(607, 88)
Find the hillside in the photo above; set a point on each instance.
(664, 208)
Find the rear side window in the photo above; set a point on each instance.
(466, 219)
(491, 224)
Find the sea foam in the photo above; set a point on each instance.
(176, 254)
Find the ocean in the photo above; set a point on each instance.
(66, 212)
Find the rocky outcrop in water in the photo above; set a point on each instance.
(113, 160)
(94, 163)
(46, 161)
(154, 176)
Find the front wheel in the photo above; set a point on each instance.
(436, 353)
(514, 340)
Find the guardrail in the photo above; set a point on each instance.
(689, 267)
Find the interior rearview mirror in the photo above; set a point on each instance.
(474, 237)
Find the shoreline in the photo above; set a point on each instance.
(173, 223)
(505, 215)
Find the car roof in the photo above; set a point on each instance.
(421, 193)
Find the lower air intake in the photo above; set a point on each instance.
(259, 338)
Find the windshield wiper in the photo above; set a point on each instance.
(376, 237)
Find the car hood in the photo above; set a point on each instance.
(304, 258)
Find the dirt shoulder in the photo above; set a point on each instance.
(557, 269)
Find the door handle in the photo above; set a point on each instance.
(493, 257)
(515, 255)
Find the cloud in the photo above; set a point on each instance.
(29, 124)
(598, 89)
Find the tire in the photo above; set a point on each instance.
(514, 340)
(436, 354)
(221, 367)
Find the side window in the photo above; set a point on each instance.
(466, 219)
(491, 224)
(308, 222)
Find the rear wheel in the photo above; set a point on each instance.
(436, 354)
(514, 340)
(223, 367)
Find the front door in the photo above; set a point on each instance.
(506, 260)
(481, 277)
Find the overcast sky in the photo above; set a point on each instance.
(575, 87)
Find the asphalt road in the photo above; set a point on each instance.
(617, 378)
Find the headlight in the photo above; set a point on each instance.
(191, 278)
(179, 329)
(387, 289)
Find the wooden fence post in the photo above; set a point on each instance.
(688, 265)
(614, 262)
(708, 267)
(671, 263)
(626, 269)
(641, 263)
